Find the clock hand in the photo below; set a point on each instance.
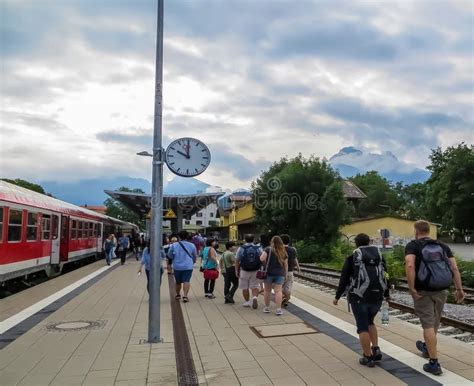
(187, 149)
(184, 155)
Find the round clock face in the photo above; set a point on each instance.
(187, 157)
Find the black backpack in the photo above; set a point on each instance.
(250, 260)
(368, 281)
(434, 271)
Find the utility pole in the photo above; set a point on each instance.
(157, 190)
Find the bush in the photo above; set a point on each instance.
(395, 266)
(467, 272)
(329, 256)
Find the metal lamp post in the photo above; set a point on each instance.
(157, 190)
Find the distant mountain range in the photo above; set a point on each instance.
(91, 191)
(350, 161)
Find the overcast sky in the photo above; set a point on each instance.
(255, 80)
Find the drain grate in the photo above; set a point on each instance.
(76, 325)
(184, 358)
(279, 330)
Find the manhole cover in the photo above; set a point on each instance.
(277, 330)
(77, 325)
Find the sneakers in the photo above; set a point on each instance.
(279, 312)
(248, 303)
(206, 295)
(266, 310)
(228, 300)
(211, 296)
(254, 303)
(422, 347)
(376, 354)
(433, 367)
(367, 361)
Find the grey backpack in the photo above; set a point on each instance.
(368, 281)
(434, 271)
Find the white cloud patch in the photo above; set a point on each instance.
(255, 80)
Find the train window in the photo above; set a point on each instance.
(1, 225)
(86, 230)
(91, 229)
(95, 230)
(46, 227)
(80, 227)
(74, 229)
(32, 227)
(55, 227)
(14, 225)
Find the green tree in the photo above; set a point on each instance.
(302, 197)
(118, 210)
(26, 184)
(450, 188)
(412, 200)
(381, 196)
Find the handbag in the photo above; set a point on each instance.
(211, 274)
(262, 273)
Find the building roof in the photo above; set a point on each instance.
(140, 203)
(352, 191)
(377, 217)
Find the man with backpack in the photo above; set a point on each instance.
(430, 268)
(363, 279)
(246, 266)
(123, 245)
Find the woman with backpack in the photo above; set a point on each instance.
(363, 277)
(210, 264)
(275, 260)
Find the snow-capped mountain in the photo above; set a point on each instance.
(350, 161)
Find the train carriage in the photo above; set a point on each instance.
(41, 233)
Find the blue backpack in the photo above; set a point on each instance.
(250, 260)
(434, 272)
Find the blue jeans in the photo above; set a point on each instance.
(364, 314)
(275, 279)
(109, 255)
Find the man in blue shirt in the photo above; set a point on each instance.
(146, 261)
(183, 255)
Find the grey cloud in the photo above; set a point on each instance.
(229, 162)
(126, 137)
(34, 121)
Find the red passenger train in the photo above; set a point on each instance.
(41, 233)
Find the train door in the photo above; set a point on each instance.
(100, 235)
(55, 240)
(64, 242)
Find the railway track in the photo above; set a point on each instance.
(449, 326)
(308, 268)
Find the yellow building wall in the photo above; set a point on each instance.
(244, 213)
(401, 231)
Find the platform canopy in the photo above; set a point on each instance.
(183, 205)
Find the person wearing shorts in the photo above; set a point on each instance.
(275, 259)
(364, 310)
(248, 279)
(183, 256)
(428, 304)
(292, 265)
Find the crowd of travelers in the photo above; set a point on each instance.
(266, 266)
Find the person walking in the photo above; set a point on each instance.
(231, 281)
(109, 248)
(275, 259)
(183, 256)
(114, 239)
(363, 277)
(430, 268)
(210, 264)
(246, 266)
(292, 265)
(146, 262)
(123, 245)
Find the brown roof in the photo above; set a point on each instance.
(351, 191)
(96, 208)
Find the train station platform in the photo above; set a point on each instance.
(89, 327)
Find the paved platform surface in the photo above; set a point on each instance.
(225, 350)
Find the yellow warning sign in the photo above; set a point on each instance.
(170, 214)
